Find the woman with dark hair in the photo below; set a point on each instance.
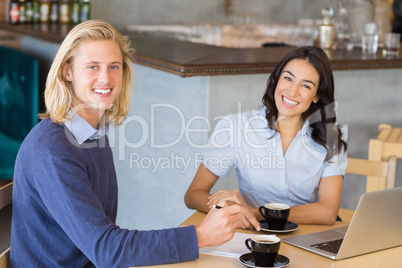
(291, 151)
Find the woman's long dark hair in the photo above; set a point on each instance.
(321, 115)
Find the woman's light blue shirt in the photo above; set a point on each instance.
(244, 142)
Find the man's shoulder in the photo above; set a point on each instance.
(49, 135)
(46, 129)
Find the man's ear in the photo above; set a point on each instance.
(68, 73)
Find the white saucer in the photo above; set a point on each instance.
(289, 227)
(247, 260)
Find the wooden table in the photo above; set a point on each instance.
(299, 258)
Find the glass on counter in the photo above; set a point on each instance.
(370, 38)
(392, 45)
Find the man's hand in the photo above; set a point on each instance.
(219, 226)
(248, 220)
(226, 196)
(231, 197)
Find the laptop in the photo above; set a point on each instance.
(376, 225)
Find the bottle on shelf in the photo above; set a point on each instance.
(54, 11)
(36, 11)
(397, 12)
(65, 11)
(342, 27)
(29, 11)
(85, 11)
(44, 11)
(14, 12)
(76, 12)
(382, 16)
(360, 13)
(326, 30)
(23, 17)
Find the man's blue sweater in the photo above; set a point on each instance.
(65, 205)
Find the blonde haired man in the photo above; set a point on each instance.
(65, 187)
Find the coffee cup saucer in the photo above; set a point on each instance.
(247, 259)
(289, 227)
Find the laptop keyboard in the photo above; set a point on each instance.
(330, 246)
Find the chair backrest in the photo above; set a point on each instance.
(5, 259)
(5, 200)
(382, 172)
(6, 192)
(387, 142)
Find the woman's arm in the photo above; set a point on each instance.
(325, 210)
(197, 197)
(197, 193)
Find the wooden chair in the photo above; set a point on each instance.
(388, 142)
(382, 171)
(5, 200)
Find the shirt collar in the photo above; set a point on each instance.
(263, 123)
(83, 131)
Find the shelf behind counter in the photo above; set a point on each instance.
(192, 59)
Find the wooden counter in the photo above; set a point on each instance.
(191, 59)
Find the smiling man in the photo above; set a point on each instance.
(96, 83)
(65, 187)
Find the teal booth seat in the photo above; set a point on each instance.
(19, 104)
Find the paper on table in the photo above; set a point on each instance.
(233, 248)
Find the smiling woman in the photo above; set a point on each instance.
(321, 109)
(295, 91)
(297, 131)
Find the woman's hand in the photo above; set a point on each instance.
(226, 196)
(233, 197)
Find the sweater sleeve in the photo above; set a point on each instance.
(77, 217)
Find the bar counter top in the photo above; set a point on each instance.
(191, 59)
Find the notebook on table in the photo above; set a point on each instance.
(376, 225)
